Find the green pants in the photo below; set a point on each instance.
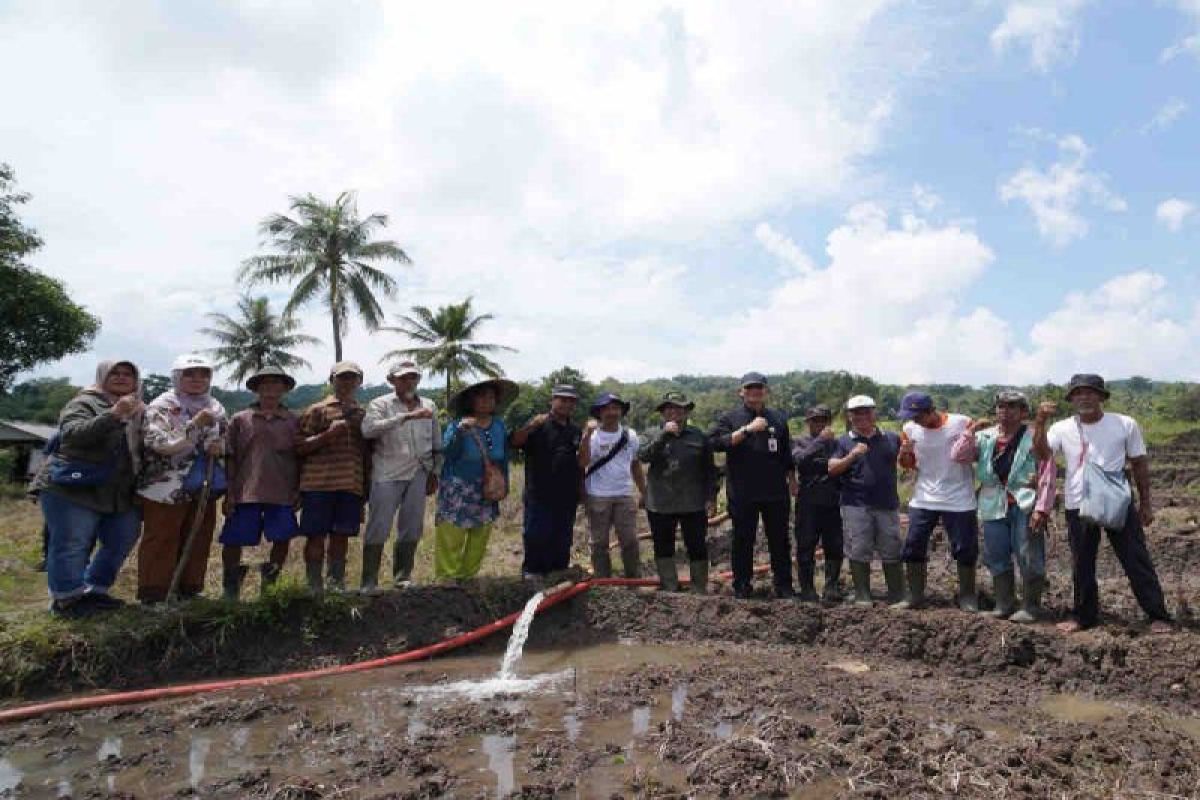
(458, 552)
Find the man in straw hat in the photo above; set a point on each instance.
(681, 491)
(608, 457)
(865, 461)
(1108, 441)
(262, 474)
(550, 442)
(474, 446)
(333, 476)
(405, 461)
(818, 518)
(761, 479)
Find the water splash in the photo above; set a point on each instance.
(516, 642)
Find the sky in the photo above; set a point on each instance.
(1003, 191)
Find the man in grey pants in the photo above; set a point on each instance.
(405, 463)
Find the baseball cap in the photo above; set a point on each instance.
(342, 367)
(859, 401)
(404, 368)
(564, 390)
(914, 403)
(754, 379)
(192, 361)
(1006, 397)
(818, 412)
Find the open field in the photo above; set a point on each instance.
(648, 694)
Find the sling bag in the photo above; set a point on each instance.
(495, 487)
(1106, 494)
(610, 455)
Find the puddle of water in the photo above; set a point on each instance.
(10, 776)
(723, 730)
(197, 756)
(499, 750)
(679, 701)
(416, 727)
(109, 748)
(852, 667)
(572, 725)
(1075, 708)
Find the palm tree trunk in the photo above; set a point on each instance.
(337, 338)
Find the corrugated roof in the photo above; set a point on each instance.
(19, 431)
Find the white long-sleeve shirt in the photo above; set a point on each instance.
(402, 445)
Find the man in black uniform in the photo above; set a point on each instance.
(760, 479)
(818, 517)
(552, 477)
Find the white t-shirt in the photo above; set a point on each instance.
(943, 484)
(1111, 441)
(614, 479)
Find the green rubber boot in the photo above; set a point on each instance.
(268, 574)
(832, 593)
(1005, 587)
(335, 581)
(699, 574)
(808, 588)
(404, 558)
(860, 572)
(893, 574)
(631, 561)
(601, 562)
(231, 582)
(914, 597)
(668, 578)
(968, 596)
(312, 572)
(1031, 601)
(372, 555)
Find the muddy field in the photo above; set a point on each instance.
(646, 694)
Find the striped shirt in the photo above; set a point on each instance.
(338, 466)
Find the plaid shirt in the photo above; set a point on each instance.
(338, 466)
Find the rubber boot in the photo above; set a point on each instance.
(335, 580)
(372, 554)
(268, 574)
(832, 593)
(1031, 601)
(1004, 586)
(631, 560)
(404, 558)
(968, 597)
(893, 575)
(914, 594)
(668, 578)
(808, 590)
(699, 574)
(312, 571)
(860, 572)
(601, 562)
(231, 582)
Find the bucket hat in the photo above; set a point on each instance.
(606, 398)
(270, 372)
(1087, 380)
(675, 399)
(818, 412)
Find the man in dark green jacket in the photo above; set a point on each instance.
(681, 491)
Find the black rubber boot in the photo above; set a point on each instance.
(601, 562)
(268, 574)
(372, 555)
(698, 571)
(1004, 586)
(668, 578)
(968, 596)
(231, 582)
(312, 571)
(335, 580)
(893, 575)
(914, 595)
(1031, 601)
(832, 593)
(860, 572)
(631, 561)
(404, 558)
(808, 589)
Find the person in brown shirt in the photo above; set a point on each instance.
(332, 477)
(262, 473)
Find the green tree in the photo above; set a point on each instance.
(446, 342)
(324, 250)
(41, 322)
(255, 338)
(153, 385)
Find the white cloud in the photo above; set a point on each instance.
(1166, 116)
(1188, 44)
(1049, 28)
(1174, 212)
(1055, 195)
(787, 251)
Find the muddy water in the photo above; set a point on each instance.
(314, 731)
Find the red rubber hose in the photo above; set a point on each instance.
(553, 598)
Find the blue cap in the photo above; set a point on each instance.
(913, 404)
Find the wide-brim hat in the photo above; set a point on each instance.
(677, 399)
(605, 399)
(1087, 381)
(506, 392)
(1006, 397)
(270, 372)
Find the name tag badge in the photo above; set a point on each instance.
(773, 445)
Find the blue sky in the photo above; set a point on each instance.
(999, 191)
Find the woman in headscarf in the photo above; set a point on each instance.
(88, 491)
(464, 514)
(181, 424)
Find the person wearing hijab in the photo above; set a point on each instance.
(88, 491)
(180, 425)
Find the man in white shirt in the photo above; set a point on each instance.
(608, 458)
(1108, 440)
(405, 462)
(945, 491)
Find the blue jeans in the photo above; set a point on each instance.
(1008, 538)
(71, 567)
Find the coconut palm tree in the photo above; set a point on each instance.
(447, 342)
(323, 250)
(256, 338)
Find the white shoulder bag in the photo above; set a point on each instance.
(1106, 495)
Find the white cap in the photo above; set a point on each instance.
(404, 368)
(859, 401)
(192, 361)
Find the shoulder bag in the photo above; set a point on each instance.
(495, 486)
(1106, 494)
